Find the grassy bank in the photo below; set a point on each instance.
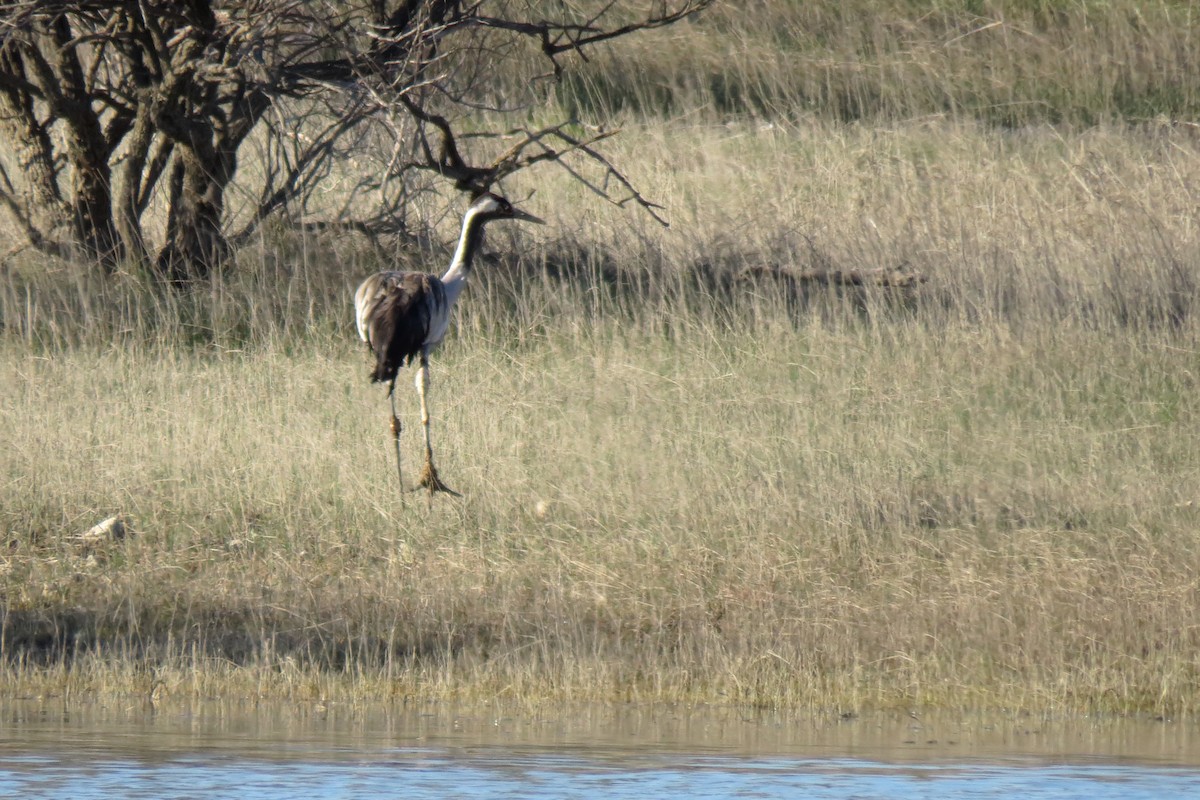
(679, 484)
(861, 517)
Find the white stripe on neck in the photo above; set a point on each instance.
(455, 278)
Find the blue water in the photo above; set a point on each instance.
(443, 758)
(500, 775)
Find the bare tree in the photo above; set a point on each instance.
(111, 107)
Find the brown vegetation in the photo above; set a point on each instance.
(678, 485)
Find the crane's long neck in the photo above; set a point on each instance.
(469, 241)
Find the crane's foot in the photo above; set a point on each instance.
(430, 480)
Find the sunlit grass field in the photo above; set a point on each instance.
(679, 484)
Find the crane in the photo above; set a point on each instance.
(403, 316)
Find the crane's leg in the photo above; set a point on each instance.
(396, 428)
(429, 477)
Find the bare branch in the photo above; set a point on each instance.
(561, 37)
(449, 161)
(611, 171)
(147, 90)
(301, 174)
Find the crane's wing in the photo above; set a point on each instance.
(395, 313)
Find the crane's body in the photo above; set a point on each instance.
(403, 316)
(400, 314)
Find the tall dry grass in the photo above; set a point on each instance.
(679, 485)
(1005, 63)
(814, 517)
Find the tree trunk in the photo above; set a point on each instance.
(88, 152)
(128, 216)
(37, 206)
(93, 214)
(196, 242)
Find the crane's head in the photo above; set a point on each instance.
(488, 207)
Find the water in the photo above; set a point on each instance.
(219, 750)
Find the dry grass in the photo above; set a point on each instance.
(1005, 63)
(807, 518)
(678, 486)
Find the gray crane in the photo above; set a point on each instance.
(403, 316)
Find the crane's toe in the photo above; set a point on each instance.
(430, 480)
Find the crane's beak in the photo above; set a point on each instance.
(527, 217)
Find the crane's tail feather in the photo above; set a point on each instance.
(387, 365)
(383, 373)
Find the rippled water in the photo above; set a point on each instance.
(218, 750)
